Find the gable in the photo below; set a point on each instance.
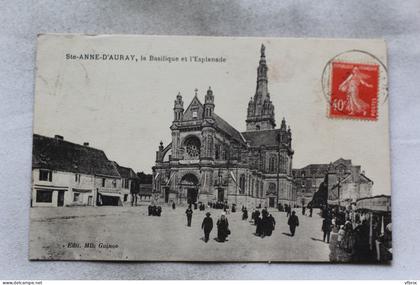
(194, 111)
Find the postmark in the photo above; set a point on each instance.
(355, 86)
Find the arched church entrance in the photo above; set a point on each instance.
(189, 185)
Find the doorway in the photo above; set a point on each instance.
(60, 198)
(166, 194)
(221, 195)
(192, 195)
(271, 202)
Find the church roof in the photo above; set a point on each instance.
(262, 137)
(227, 128)
(61, 155)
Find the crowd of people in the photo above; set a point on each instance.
(154, 210)
(354, 232)
(264, 222)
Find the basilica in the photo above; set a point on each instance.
(209, 160)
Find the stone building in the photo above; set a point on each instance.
(208, 160)
(345, 182)
(69, 174)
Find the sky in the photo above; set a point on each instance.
(125, 107)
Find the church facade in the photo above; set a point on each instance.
(208, 160)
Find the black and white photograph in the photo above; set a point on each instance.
(203, 149)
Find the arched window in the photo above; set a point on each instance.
(192, 147)
(242, 184)
(217, 151)
(282, 164)
(257, 184)
(272, 164)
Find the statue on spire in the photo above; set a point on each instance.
(262, 50)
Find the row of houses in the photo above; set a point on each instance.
(69, 174)
(339, 182)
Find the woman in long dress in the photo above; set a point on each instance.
(351, 87)
(222, 228)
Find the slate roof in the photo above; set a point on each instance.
(125, 172)
(227, 128)
(354, 173)
(61, 155)
(262, 137)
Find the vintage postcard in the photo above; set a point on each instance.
(164, 148)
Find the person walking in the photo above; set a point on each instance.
(189, 213)
(340, 236)
(244, 213)
(207, 226)
(293, 222)
(258, 221)
(222, 228)
(288, 210)
(272, 223)
(267, 224)
(173, 206)
(310, 211)
(326, 228)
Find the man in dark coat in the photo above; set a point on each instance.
(149, 210)
(189, 213)
(256, 216)
(293, 222)
(272, 223)
(173, 206)
(267, 225)
(207, 226)
(258, 221)
(326, 228)
(222, 228)
(288, 210)
(158, 211)
(244, 213)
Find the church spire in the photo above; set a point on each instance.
(260, 109)
(262, 89)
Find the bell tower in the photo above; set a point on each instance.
(209, 104)
(178, 108)
(260, 115)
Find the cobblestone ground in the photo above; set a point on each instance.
(56, 231)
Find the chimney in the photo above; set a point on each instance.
(59, 138)
(86, 144)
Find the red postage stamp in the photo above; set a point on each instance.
(354, 90)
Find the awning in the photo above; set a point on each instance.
(111, 194)
(81, 190)
(51, 188)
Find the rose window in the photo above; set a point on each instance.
(192, 148)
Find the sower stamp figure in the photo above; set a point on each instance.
(189, 213)
(207, 226)
(293, 222)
